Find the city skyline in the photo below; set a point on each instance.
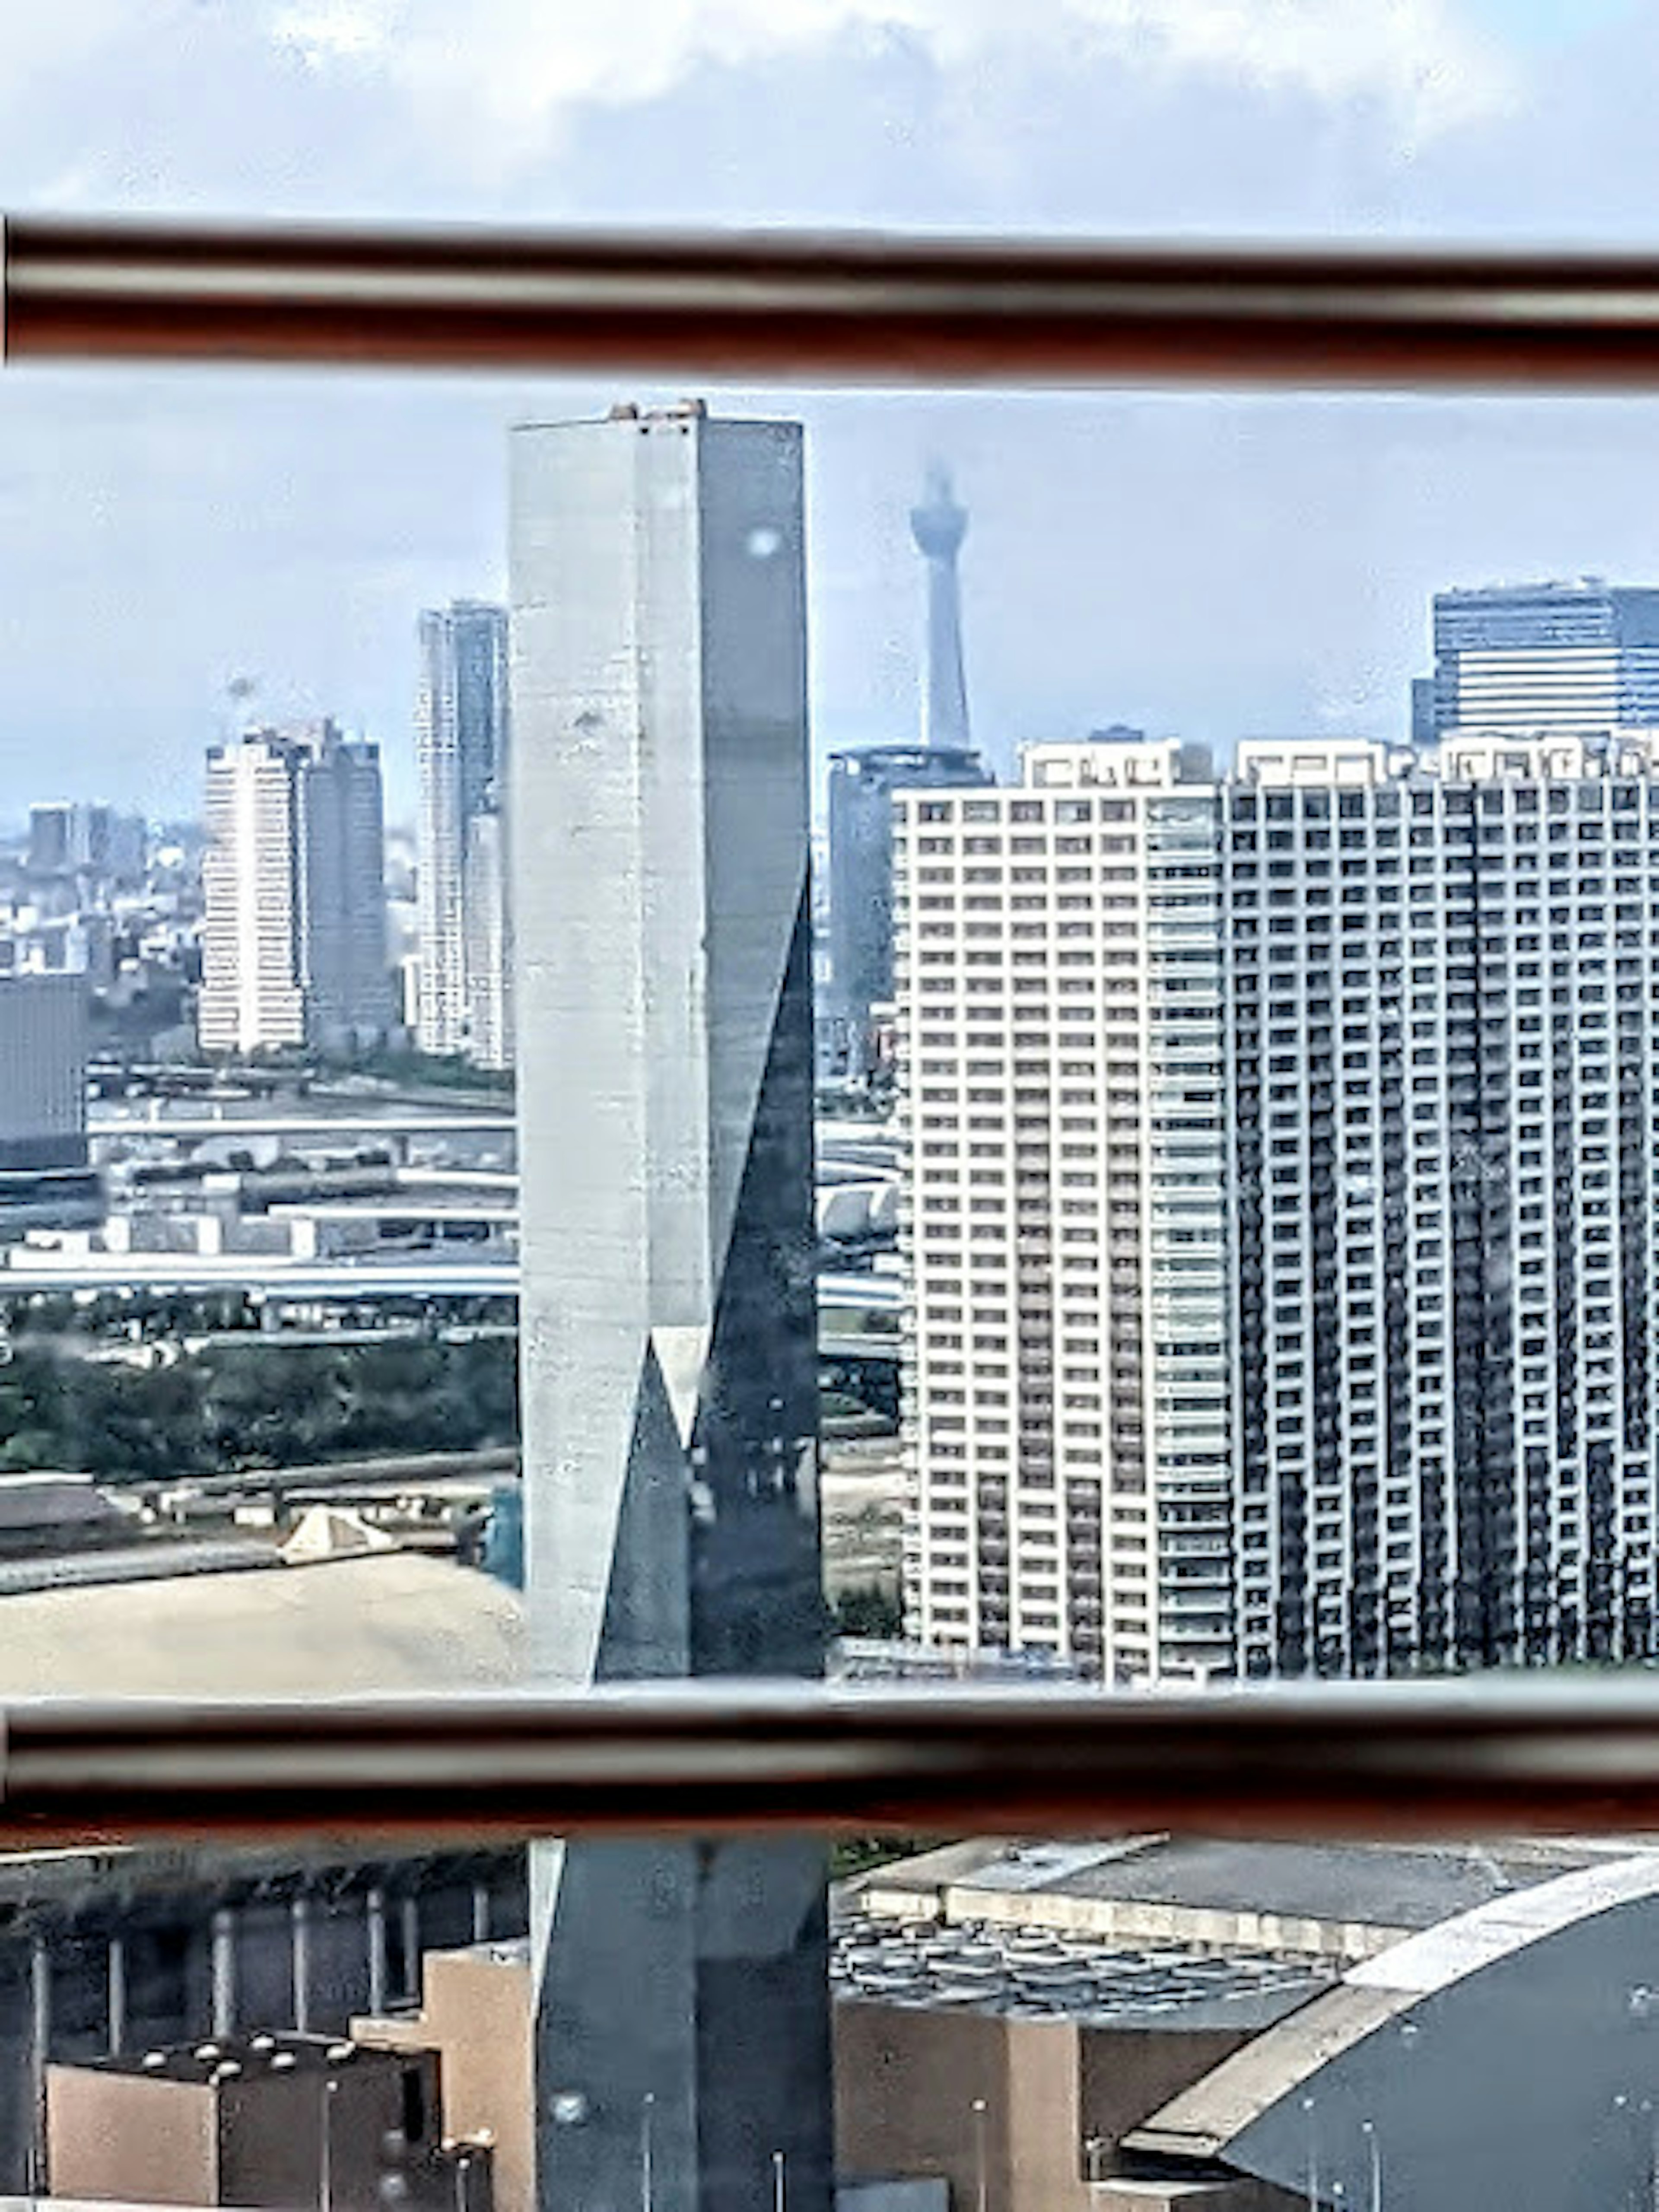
(1410, 716)
(1176, 553)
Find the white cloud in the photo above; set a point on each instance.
(519, 66)
(324, 31)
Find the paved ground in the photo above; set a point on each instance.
(863, 1513)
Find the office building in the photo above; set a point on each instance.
(1282, 1191)
(44, 1178)
(346, 970)
(860, 978)
(669, 1395)
(460, 737)
(1577, 654)
(1059, 1014)
(43, 1071)
(71, 837)
(294, 934)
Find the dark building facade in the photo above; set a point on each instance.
(103, 1955)
(862, 788)
(1442, 1124)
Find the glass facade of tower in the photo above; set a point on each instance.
(1578, 654)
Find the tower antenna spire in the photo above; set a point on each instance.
(938, 525)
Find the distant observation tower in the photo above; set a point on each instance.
(938, 526)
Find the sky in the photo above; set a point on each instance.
(1199, 564)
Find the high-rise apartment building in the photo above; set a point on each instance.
(1320, 1104)
(460, 739)
(1445, 1143)
(670, 1378)
(1059, 994)
(1576, 654)
(294, 933)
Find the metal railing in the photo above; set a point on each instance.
(1394, 1760)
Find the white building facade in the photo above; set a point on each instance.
(1060, 1012)
(294, 933)
(1319, 1105)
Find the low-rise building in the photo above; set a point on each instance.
(263, 2119)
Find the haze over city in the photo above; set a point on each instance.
(1207, 568)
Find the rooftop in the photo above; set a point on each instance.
(221, 2059)
(1041, 1974)
(1278, 1899)
(380, 1622)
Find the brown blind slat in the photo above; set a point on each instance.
(866, 308)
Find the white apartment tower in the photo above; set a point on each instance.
(1059, 992)
(1284, 1202)
(293, 942)
(460, 744)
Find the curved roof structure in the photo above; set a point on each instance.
(1508, 2056)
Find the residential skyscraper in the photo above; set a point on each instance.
(460, 742)
(294, 936)
(670, 1388)
(1058, 990)
(1443, 1116)
(938, 525)
(1577, 654)
(1283, 1176)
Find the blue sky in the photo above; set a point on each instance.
(1206, 565)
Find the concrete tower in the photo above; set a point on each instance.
(662, 949)
(938, 526)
